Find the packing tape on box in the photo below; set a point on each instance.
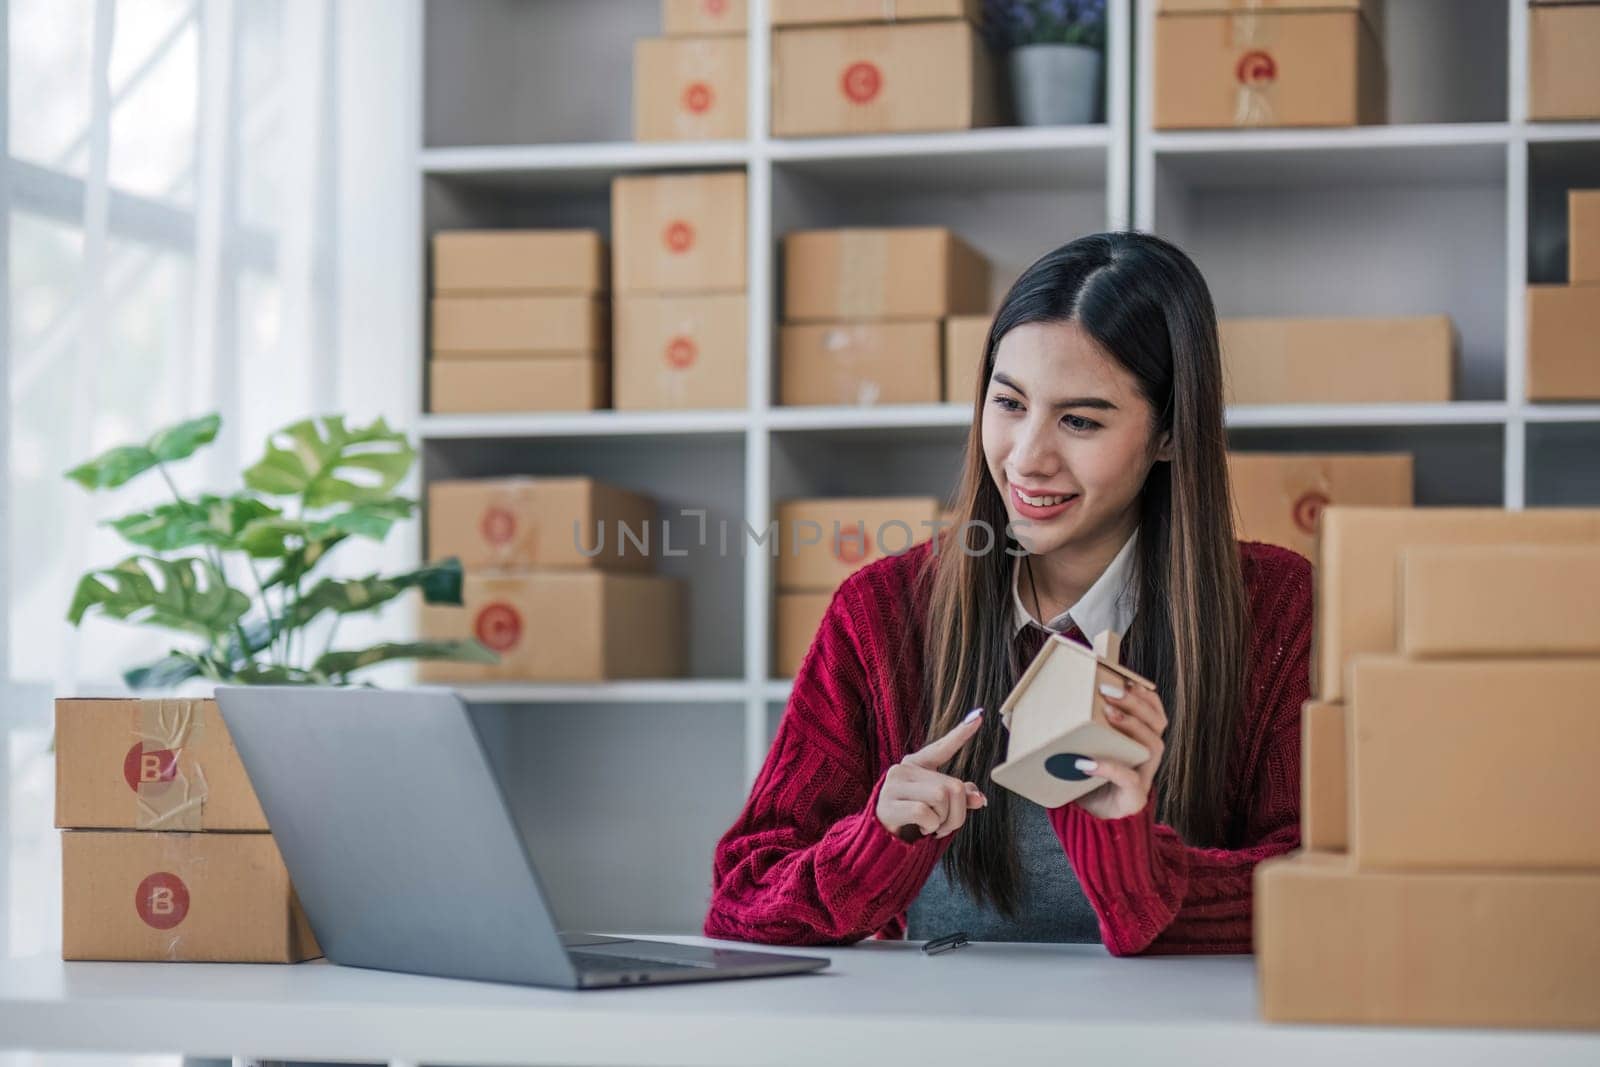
(863, 275)
(171, 785)
(1256, 70)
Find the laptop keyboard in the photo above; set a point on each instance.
(598, 963)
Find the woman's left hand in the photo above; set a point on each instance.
(1138, 713)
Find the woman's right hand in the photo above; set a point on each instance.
(916, 799)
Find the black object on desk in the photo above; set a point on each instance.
(947, 943)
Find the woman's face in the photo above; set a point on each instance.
(1068, 438)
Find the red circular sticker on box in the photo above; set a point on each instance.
(498, 626)
(162, 900)
(1256, 69)
(681, 352)
(861, 82)
(679, 236)
(697, 98)
(852, 546)
(715, 7)
(1308, 509)
(154, 769)
(498, 525)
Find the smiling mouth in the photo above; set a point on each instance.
(1044, 501)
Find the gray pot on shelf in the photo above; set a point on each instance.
(1055, 84)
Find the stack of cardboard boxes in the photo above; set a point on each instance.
(680, 284)
(1563, 76)
(1338, 360)
(520, 321)
(1279, 498)
(864, 311)
(691, 84)
(821, 542)
(964, 340)
(1223, 63)
(1564, 320)
(166, 853)
(1450, 863)
(879, 66)
(558, 584)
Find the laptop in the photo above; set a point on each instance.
(406, 857)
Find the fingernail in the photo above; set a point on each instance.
(1110, 690)
(1085, 765)
(1115, 713)
(973, 714)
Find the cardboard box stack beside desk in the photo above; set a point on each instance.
(1279, 497)
(559, 582)
(1564, 320)
(690, 85)
(864, 313)
(1346, 360)
(680, 284)
(1563, 75)
(520, 321)
(1223, 63)
(165, 852)
(821, 542)
(880, 66)
(1450, 863)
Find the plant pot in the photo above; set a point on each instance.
(1055, 84)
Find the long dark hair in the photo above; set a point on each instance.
(1144, 302)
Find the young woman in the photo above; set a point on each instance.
(1097, 458)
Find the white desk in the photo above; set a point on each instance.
(880, 1003)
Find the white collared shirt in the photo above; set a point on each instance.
(1108, 604)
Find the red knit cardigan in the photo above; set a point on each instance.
(808, 863)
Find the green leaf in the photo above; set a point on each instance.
(301, 561)
(211, 520)
(191, 595)
(324, 462)
(118, 465)
(273, 674)
(336, 664)
(274, 537)
(374, 518)
(440, 584)
(174, 668)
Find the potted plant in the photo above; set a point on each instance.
(1054, 52)
(319, 484)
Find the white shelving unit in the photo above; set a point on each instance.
(525, 122)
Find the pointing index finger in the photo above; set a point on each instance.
(937, 753)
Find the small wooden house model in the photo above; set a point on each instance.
(1056, 715)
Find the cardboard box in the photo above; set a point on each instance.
(1055, 715)
(1278, 497)
(163, 764)
(799, 616)
(821, 542)
(473, 327)
(1358, 578)
(1583, 237)
(824, 12)
(860, 363)
(1563, 342)
(1433, 748)
(516, 523)
(679, 233)
(902, 273)
(681, 352)
(480, 262)
(1288, 68)
(689, 88)
(1563, 77)
(882, 79)
(965, 340)
(1324, 776)
(533, 383)
(1338, 360)
(212, 898)
(690, 18)
(561, 626)
(1334, 945)
(1542, 601)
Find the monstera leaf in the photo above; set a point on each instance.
(126, 462)
(338, 664)
(214, 521)
(324, 462)
(440, 584)
(274, 536)
(182, 594)
(173, 669)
